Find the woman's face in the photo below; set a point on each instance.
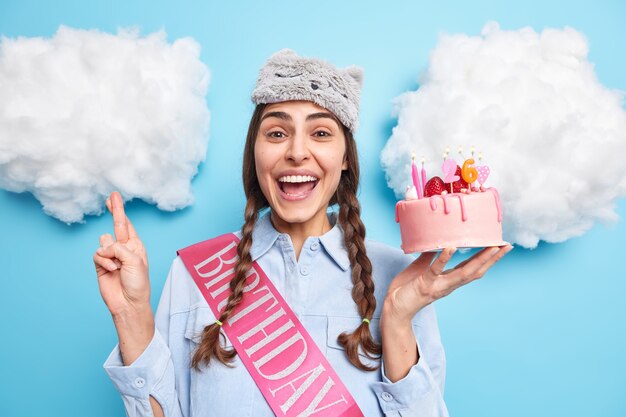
(300, 153)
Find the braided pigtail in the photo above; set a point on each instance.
(212, 341)
(363, 285)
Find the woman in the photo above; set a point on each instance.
(367, 307)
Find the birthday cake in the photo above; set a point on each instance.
(450, 212)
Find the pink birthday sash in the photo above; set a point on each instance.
(282, 358)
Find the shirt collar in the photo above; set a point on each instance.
(334, 245)
(264, 235)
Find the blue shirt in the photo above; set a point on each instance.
(317, 287)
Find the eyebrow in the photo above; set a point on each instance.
(285, 116)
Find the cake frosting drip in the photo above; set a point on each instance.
(446, 208)
(462, 203)
(433, 203)
(496, 195)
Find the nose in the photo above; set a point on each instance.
(298, 150)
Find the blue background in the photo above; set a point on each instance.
(542, 334)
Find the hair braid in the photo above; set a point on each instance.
(213, 338)
(212, 335)
(363, 285)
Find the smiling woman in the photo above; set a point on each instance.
(251, 324)
(298, 140)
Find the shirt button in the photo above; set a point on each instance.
(315, 246)
(304, 270)
(140, 382)
(386, 396)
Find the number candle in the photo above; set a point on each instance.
(469, 173)
(449, 169)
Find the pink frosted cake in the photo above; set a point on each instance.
(458, 219)
(455, 214)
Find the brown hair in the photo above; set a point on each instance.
(354, 240)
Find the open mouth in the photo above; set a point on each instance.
(296, 187)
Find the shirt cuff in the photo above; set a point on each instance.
(139, 378)
(417, 390)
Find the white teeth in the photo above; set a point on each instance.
(297, 178)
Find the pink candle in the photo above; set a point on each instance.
(416, 179)
(423, 173)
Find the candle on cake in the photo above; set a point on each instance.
(449, 170)
(469, 173)
(416, 179)
(482, 171)
(423, 175)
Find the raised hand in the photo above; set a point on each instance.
(122, 264)
(421, 283)
(425, 281)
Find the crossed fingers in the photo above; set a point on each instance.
(122, 226)
(106, 240)
(110, 253)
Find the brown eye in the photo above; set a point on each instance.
(322, 134)
(276, 134)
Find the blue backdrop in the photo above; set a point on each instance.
(542, 334)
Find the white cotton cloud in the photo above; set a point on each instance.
(85, 112)
(552, 135)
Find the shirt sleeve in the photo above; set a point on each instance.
(420, 392)
(152, 373)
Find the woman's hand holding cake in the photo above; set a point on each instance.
(425, 281)
(420, 284)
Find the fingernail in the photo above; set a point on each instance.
(494, 251)
(99, 251)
